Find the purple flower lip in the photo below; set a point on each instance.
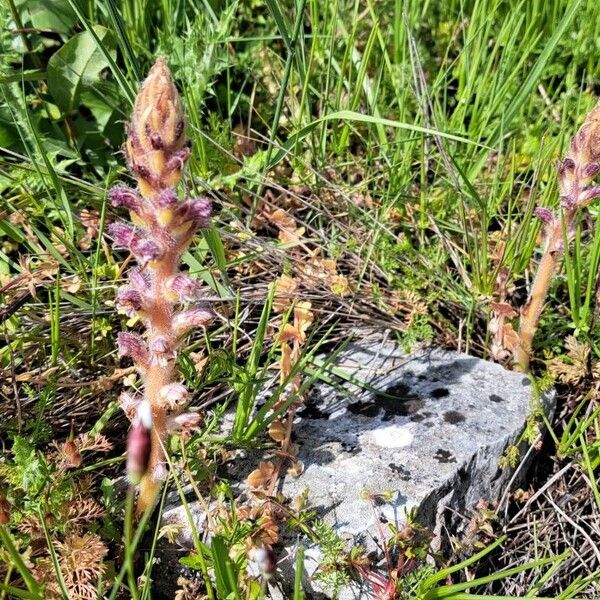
(124, 196)
(166, 199)
(200, 316)
(174, 395)
(591, 170)
(146, 251)
(185, 287)
(129, 301)
(197, 212)
(183, 422)
(544, 214)
(132, 345)
(177, 160)
(124, 236)
(161, 351)
(139, 280)
(590, 194)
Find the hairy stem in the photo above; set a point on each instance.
(531, 312)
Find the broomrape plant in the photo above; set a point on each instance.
(166, 300)
(576, 173)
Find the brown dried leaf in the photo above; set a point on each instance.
(285, 288)
(277, 430)
(261, 477)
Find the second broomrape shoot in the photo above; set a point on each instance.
(575, 182)
(165, 300)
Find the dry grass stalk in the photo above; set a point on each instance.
(575, 176)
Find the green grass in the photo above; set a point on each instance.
(412, 140)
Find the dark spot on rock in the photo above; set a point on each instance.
(351, 449)
(453, 417)
(440, 393)
(525, 382)
(496, 398)
(400, 470)
(444, 456)
(420, 416)
(312, 411)
(395, 401)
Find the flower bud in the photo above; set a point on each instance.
(174, 395)
(200, 316)
(139, 445)
(156, 134)
(129, 301)
(71, 453)
(585, 146)
(132, 345)
(265, 560)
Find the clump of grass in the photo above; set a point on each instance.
(575, 180)
(163, 298)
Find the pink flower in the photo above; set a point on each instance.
(185, 287)
(200, 316)
(184, 422)
(122, 195)
(161, 351)
(129, 404)
(132, 345)
(146, 251)
(129, 301)
(124, 236)
(174, 395)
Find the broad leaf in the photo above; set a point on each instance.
(51, 15)
(77, 66)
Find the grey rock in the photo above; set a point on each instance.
(428, 429)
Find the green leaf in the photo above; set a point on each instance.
(51, 15)
(32, 470)
(77, 66)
